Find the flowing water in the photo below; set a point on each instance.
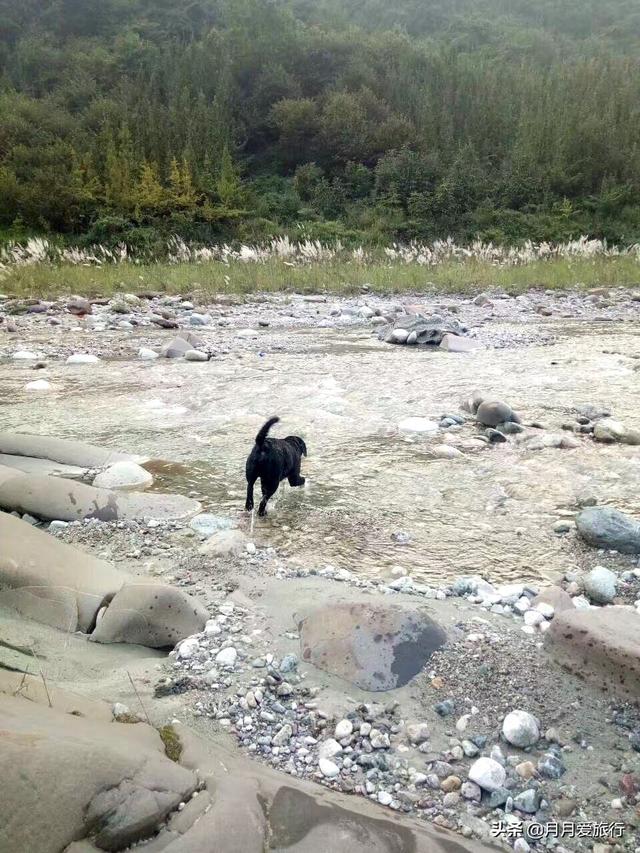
(491, 512)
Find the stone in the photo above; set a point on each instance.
(61, 450)
(205, 524)
(38, 385)
(551, 766)
(533, 617)
(328, 769)
(451, 800)
(601, 645)
(419, 425)
(343, 729)
(329, 748)
(379, 740)
(225, 542)
(600, 585)
(491, 413)
(54, 498)
(374, 646)
(146, 354)
(520, 729)
(455, 343)
(49, 581)
(445, 451)
(526, 769)
(227, 657)
(527, 801)
(150, 614)
(384, 798)
(605, 527)
(555, 597)
(282, 736)
(289, 663)
(451, 783)
(125, 476)
(88, 777)
(417, 733)
(25, 355)
(610, 431)
(470, 791)
(83, 358)
(488, 774)
(522, 605)
(195, 355)
(176, 348)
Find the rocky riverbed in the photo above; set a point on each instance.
(406, 629)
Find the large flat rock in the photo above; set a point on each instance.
(44, 467)
(601, 645)
(66, 500)
(67, 776)
(49, 581)
(376, 647)
(62, 450)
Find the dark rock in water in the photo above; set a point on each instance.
(605, 527)
(374, 647)
(493, 412)
(420, 330)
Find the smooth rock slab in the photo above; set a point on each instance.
(66, 777)
(605, 527)
(44, 467)
(455, 343)
(150, 614)
(62, 450)
(49, 581)
(601, 645)
(54, 498)
(374, 647)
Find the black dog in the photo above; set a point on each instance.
(272, 460)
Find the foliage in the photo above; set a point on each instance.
(369, 121)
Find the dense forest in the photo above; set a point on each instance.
(353, 119)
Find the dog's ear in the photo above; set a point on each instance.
(298, 443)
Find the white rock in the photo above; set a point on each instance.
(212, 628)
(547, 610)
(25, 355)
(488, 774)
(445, 451)
(195, 355)
(282, 736)
(366, 312)
(227, 657)
(365, 729)
(384, 798)
(580, 602)
(417, 733)
(147, 354)
(600, 585)
(522, 605)
(417, 425)
(123, 476)
(399, 336)
(329, 748)
(520, 729)
(246, 333)
(82, 358)
(188, 648)
(343, 729)
(328, 769)
(38, 385)
(510, 592)
(119, 710)
(533, 617)
(379, 740)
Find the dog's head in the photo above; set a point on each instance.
(298, 443)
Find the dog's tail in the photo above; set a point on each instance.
(260, 438)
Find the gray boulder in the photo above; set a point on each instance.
(493, 412)
(420, 330)
(605, 527)
(600, 585)
(150, 614)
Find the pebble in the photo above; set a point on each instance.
(227, 657)
(520, 728)
(384, 798)
(147, 354)
(343, 729)
(451, 783)
(38, 385)
(83, 358)
(488, 774)
(195, 355)
(379, 740)
(600, 585)
(328, 748)
(417, 733)
(328, 769)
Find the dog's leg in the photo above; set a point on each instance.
(294, 477)
(249, 502)
(269, 488)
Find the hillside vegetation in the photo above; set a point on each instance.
(366, 120)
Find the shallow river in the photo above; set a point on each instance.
(344, 392)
